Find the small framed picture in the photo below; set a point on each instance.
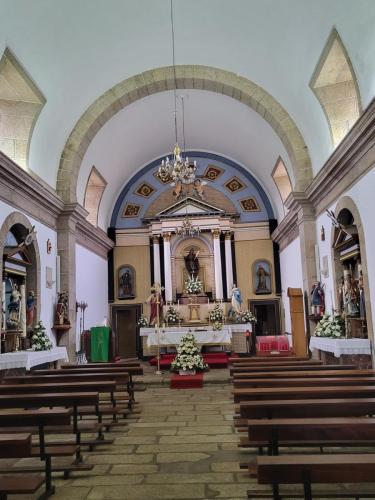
(126, 282)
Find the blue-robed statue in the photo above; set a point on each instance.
(236, 299)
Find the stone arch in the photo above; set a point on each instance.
(15, 219)
(187, 77)
(346, 202)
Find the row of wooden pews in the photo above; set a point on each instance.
(79, 401)
(292, 403)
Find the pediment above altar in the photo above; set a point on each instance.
(190, 206)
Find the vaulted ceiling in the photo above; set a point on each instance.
(75, 51)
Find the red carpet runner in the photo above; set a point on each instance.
(187, 381)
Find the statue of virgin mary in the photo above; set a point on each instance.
(236, 299)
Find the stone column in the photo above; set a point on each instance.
(228, 263)
(167, 267)
(66, 247)
(217, 265)
(157, 271)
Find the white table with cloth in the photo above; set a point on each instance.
(339, 347)
(28, 359)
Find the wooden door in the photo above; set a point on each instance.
(124, 324)
(268, 316)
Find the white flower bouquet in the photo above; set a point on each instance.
(331, 326)
(143, 321)
(193, 285)
(216, 314)
(172, 316)
(39, 339)
(188, 356)
(244, 317)
(217, 325)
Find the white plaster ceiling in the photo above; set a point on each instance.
(76, 50)
(215, 123)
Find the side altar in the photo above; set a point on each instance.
(231, 336)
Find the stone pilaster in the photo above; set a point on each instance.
(66, 247)
(157, 271)
(167, 267)
(228, 263)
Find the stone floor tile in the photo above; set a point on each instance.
(151, 492)
(108, 480)
(180, 457)
(134, 469)
(170, 448)
(120, 459)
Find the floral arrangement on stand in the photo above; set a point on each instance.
(244, 317)
(143, 321)
(39, 339)
(172, 316)
(193, 285)
(331, 326)
(217, 325)
(188, 358)
(216, 314)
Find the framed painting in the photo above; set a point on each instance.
(262, 277)
(126, 282)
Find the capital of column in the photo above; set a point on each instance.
(215, 233)
(155, 239)
(228, 235)
(167, 237)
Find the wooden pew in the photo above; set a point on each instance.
(338, 431)
(17, 446)
(308, 408)
(120, 364)
(266, 359)
(289, 367)
(300, 382)
(320, 392)
(305, 373)
(311, 469)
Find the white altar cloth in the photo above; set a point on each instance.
(341, 346)
(28, 359)
(167, 337)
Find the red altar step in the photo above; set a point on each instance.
(187, 381)
(213, 359)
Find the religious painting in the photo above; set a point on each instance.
(262, 278)
(234, 184)
(126, 282)
(131, 210)
(144, 190)
(212, 172)
(250, 205)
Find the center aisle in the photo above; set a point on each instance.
(182, 446)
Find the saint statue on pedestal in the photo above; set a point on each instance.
(192, 262)
(236, 299)
(156, 304)
(317, 299)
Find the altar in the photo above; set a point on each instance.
(228, 336)
(28, 359)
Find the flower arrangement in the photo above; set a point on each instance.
(193, 285)
(216, 314)
(244, 317)
(188, 355)
(330, 326)
(217, 325)
(39, 339)
(143, 321)
(172, 316)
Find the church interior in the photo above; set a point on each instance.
(187, 272)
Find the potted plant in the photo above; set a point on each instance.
(188, 359)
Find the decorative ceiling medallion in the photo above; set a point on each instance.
(165, 181)
(144, 190)
(212, 172)
(250, 205)
(131, 210)
(234, 184)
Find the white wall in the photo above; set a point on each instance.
(47, 300)
(91, 287)
(291, 275)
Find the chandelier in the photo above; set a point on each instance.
(187, 228)
(177, 169)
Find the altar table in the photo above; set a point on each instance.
(168, 338)
(28, 359)
(269, 343)
(339, 347)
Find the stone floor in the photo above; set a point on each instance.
(182, 445)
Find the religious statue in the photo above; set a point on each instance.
(262, 280)
(198, 188)
(156, 303)
(362, 304)
(126, 283)
(236, 299)
(317, 299)
(30, 309)
(350, 295)
(192, 262)
(14, 308)
(62, 309)
(177, 192)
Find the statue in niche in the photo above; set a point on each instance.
(350, 295)
(14, 308)
(30, 309)
(262, 277)
(362, 304)
(192, 262)
(317, 299)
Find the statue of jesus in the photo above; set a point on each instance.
(192, 262)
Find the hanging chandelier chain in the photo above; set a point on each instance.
(174, 74)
